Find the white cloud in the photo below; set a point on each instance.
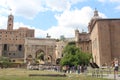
(75, 17)
(3, 11)
(3, 3)
(118, 8)
(102, 1)
(68, 21)
(57, 5)
(57, 31)
(20, 24)
(109, 1)
(102, 15)
(40, 33)
(3, 22)
(3, 7)
(114, 0)
(25, 8)
(30, 8)
(54, 32)
(117, 2)
(76, 1)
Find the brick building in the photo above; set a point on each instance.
(102, 39)
(12, 41)
(83, 41)
(21, 46)
(105, 39)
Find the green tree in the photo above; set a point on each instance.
(4, 61)
(73, 56)
(40, 56)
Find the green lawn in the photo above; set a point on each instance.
(23, 74)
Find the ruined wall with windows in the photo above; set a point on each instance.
(12, 40)
(83, 41)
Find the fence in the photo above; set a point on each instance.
(107, 72)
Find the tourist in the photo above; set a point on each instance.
(64, 69)
(116, 66)
(78, 68)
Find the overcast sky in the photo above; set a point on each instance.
(56, 17)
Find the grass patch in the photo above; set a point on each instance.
(23, 74)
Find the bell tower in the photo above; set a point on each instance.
(10, 22)
(96, 13)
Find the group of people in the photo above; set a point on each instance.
(73, 69)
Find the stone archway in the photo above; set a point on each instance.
(29, 58)
(49, 59)
(58, 61)
(40, 56)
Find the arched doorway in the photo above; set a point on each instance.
(58, 61)
(29, 58)
(49, 59)
(40, 57)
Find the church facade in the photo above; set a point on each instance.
(103, 39)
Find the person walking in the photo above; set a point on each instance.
(78, 69)
(116, 67)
